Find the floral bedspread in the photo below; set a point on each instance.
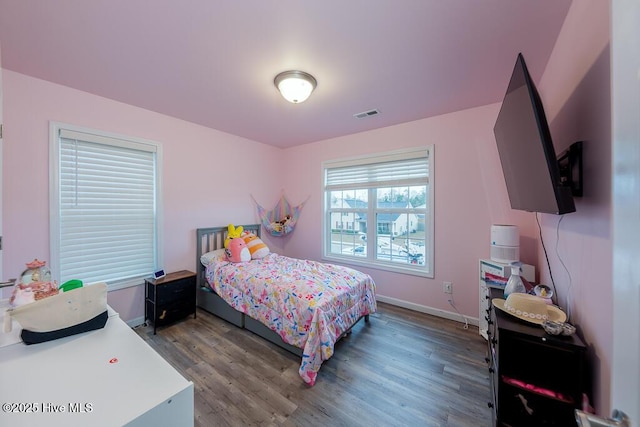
(308, 303)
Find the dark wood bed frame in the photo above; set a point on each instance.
(209, 239)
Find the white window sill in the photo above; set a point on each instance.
(138, 281)
(413, 271)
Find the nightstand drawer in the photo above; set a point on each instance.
(171, 312)
(176, 291)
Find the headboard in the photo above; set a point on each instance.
(212, 238)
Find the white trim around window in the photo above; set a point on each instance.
(379, 211)
(105, 206)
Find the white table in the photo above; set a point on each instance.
(107, 377)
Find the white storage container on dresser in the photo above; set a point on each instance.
(501, 270)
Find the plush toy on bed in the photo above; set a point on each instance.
(237, 250)
(257, 247)
(232, 233)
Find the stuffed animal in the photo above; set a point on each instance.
(275, 226)
(281, 226)
(283, 222)
(232, 233)
(257, 247)
(237, 250)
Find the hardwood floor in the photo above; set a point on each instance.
(403, 368)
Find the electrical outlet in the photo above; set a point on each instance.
(447, 287)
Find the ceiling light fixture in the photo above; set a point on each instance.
(295, 86)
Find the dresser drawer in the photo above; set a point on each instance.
(175, 311)
(176, 291)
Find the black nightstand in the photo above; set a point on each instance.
(170, 298)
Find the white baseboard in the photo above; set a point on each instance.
(451, 315)
(135, 322)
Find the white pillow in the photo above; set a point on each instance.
(213, 256)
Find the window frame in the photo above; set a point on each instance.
(112, 139)
(372, 209)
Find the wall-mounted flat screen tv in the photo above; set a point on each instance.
(529, 163)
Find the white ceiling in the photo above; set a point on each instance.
(212, 62)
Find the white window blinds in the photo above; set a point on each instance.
(406, 168)
(107, 226)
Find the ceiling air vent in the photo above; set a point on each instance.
(366, 114)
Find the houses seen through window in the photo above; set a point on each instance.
(378, 211)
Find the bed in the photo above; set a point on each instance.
(302, 306)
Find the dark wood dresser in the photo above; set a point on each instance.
(170, 298)
(537, 379)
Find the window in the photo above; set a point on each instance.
(104, 207)
(378, 211)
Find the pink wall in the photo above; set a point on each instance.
(470, 195)
(575, 90)
(207, 175)
(470, 191)
(2, 292)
